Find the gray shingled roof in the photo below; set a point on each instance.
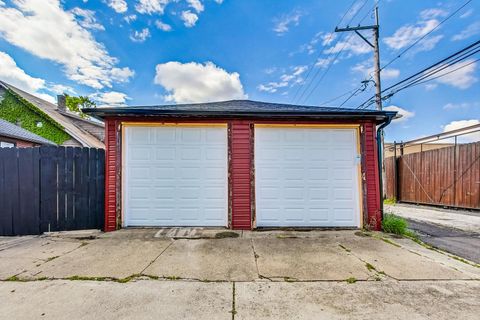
(84, 138)
(239, 108)
(10, 130)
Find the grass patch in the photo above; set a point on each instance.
(390, 201)
(51, 258)
(344, 248)
(393, 224)
(14, 278)
(83, 278)
(351, 280)
(370, 267)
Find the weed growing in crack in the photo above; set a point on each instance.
(351, 280)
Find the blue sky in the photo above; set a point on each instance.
(146, 52)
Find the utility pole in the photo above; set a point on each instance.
(378, 83)
(376, 50)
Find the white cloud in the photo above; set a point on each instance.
(11, 73)
(433, 13)
(49, 32)
(470, 31)
(140, 36)
(151, 6)
(283, 24)
(130, 18)
(86, 18)
(353, 45)
(462, 78)
(324, 62)
(286, 80)
(431, 86)
(189, 18)
(408, 34)
(467, 14)
(196, 82)
(325, 38)
(272, 87)
(454, 125)
(366, 69)
(61, 89)
(120, 6)
(163, 26)
(111, 99)
(270, 70)
(219, 1)
(463, 105)
(197, 5)
(405, 114)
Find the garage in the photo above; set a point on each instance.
(306, 176)
(175, 175)
(242, 165)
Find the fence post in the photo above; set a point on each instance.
(455, 164)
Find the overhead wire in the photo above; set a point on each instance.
(331, 62)
(428, 73)
(417, 41)
(330, 38)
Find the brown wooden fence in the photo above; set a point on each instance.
(51, 189)
(448, 177)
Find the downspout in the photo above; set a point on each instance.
(380, 159)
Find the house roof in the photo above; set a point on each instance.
(84, 138)
(8, 129)
(242, 108)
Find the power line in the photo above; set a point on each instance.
(419, 40)
(425, 35)
(426, 79)
(337, 97)
(330, 64)
(320, 52)
(427, 73)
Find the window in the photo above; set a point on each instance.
(4, 144)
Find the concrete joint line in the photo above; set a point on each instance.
(233, 311)
(151, 262)
(43, 261)
(255, 256)
(377, 272)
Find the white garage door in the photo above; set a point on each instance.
(306, 177)
(175, 176)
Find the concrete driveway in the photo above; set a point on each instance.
(204, 274)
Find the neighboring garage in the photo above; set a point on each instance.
(242, 165)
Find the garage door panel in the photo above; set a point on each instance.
(306, 177)
(183, 181)
(165, 153)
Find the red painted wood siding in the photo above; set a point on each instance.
(111, 166)
(240, 174)
(374, 216)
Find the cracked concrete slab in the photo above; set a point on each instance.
(102, 258)
(207, 259)
(61, 299)
(307, 259)
(361, 300)
(442, 258)
(27, 255)
(398, 262)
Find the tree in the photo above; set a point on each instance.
(75, 104)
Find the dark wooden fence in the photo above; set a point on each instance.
(448, 177)
(51, 189)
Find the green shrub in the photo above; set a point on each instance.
(394, 224)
